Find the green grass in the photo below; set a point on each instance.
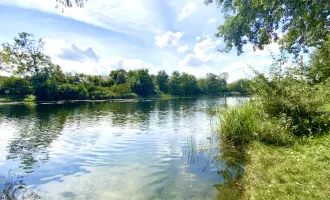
(165, 96)
(300, 171)
(6, 99)
(277, 164)
(30, 98)
(248, 122)
(327, 107)
(10, 99)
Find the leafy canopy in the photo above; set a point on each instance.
(24, 56)
(70, 3)
(304, 23)
(162, 81)
(319, 65)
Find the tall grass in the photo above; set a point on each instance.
(239, 124)
(249, 122)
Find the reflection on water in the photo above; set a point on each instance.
(233, 157)
(161, 149)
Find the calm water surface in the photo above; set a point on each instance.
(159, 149)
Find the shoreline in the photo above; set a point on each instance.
(152, 98)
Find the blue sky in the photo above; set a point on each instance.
(131, 34)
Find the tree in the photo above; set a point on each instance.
(75, 78)
(46, 83)
(242, 86)
(16, 86)
(95, 80)
(188, 84)
(202, 85)
(222, 78)
(24, 56)
(70, 3)
(162, 81)
(213, 85)
(318, 69)
(122, 89)
(119, 76)
(174, 84)
(141, 82)
(304, 24)
(69, 91)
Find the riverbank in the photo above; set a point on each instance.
(32, 99)
(300, 171)
(277, 167)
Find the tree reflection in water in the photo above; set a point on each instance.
(234, 157)
(37, 127)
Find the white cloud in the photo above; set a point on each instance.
(75, 53)
(211, 20)
(187, 10)
(103, 66)
(205, 52)
(183, 48)
(119, 62)
(198, 38)
(242, 67)
(168, 39)
(271, 48)
(127, 16)
(165, 62)
(191, 60)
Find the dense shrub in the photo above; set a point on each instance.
(73, 91)
(141, 82)
(99, 93)
(285, 105)
(249, 122)
(15, 86)
(295, 100)
(240, 123)
(122, 89)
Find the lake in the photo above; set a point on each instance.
(155, 149)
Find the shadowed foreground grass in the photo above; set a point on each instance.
(300, 171)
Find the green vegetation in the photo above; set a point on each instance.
(300, 171)
(247, 123)
(13, 187)
(302, 24)
(282, 134)
(33, 73)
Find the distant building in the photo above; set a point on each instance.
(106, 78)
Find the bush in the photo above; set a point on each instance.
(122, 89)
(102, 93)
(15, 86)
(296, 101)
(73, 91)
(249, 122)
(275, 131)
(240, 124)
(130, 96)
(29, 98)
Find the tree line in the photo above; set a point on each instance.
(34, 73)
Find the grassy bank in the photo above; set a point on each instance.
(299, 171)
(7, 99)
(278, 162)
